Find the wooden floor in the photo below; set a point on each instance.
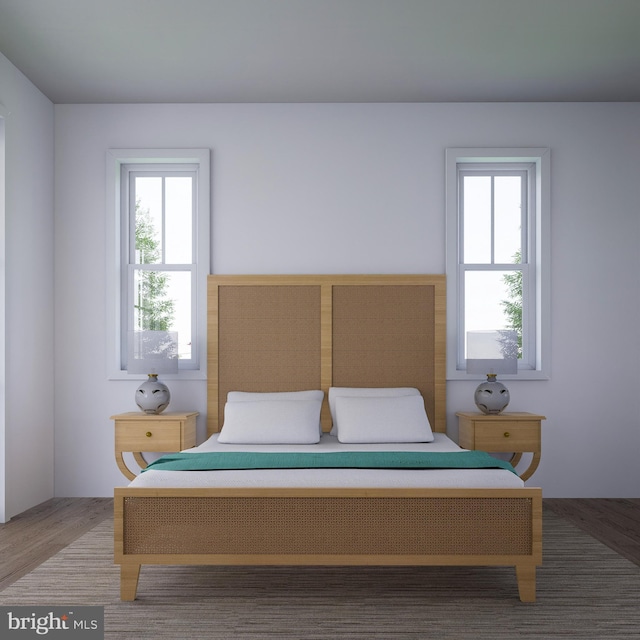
(32, 537)
(615, 522)
(35, 535)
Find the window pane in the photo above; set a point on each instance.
(508, 219)
(477, 219)
(493, 301)
(148, 220)
(178, 220)
(163, 303)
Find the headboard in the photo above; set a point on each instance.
(292, 333)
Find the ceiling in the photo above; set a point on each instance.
(90, 51)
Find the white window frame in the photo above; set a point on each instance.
(121, 161)
(536, 324)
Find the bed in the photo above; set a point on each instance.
(291, 334)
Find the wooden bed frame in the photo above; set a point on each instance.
(286, 333)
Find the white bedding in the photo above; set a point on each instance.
(340, 478)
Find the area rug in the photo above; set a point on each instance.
(585, 591)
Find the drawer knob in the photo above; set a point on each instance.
(149, 434)
(506, 434)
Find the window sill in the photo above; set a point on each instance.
(522, 375)
(183, 375)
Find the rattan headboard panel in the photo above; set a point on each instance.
(383, 337)
(269, 339)
(288, 333)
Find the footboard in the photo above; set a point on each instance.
(328, 527)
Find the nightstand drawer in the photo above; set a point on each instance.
(513, 432)
(148, 436)
(139, 432)
(499, 436)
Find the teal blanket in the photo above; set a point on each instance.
(205, 461)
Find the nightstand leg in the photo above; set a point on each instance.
(532, 467)
(139, 458)
(123, 467)
(515, 458)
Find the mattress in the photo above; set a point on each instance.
(332, 478)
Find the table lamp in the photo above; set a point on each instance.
(491, 353)
(153, 353)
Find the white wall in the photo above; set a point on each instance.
(27, 418)
(360, 189)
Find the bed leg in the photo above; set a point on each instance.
(129, 574)
(526, 576)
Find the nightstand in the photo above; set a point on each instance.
(165, 432)
(515, 433)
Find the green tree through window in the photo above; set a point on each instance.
(513, 305)
(154, 310)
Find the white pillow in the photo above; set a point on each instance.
(391, 419)
(271, 422)
(253, 396)
(250, 396)
(364, 392)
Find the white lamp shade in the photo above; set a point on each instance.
(153, 352)
(490, 352)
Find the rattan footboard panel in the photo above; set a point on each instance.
(328, 526)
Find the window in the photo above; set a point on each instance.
(497, 252)
(158, 251)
